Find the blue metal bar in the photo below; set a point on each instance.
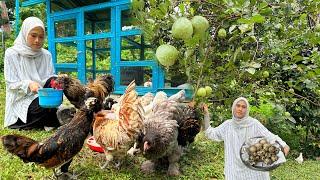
(52, 45)
(91, 7)
(49, 30)
(86, 37)
(99, 70)
(99, 36)
(137, 63)
(66, 16)
(66, 39)
(115, 48)
(81, 49)
(17, 21)
(160, 77)
(105, 5)
(32, 2)
(72, 66)
(93, 52)
(140, 90)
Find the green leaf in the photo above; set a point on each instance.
(258, 19)
(266, 11)
(238, 50)
(263, 5)
(244, 21)
(181, 8)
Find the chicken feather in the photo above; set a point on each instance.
(171, 126)
(116, 130)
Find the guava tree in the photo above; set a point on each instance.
(267, 51)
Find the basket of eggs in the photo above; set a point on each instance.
(262, 154)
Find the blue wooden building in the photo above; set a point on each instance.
(91, 37)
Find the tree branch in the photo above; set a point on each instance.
(300, 96)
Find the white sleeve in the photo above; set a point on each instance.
(217, 133)
(11, 75)
(263, 131)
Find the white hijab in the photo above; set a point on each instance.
(244, 122)
(20, 43)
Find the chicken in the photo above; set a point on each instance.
(171, 126)
(108, 103)
(299, 159)
(189, 123)
(72, 89)
(100, 87)
(146, 99)
(61, 147)
(179, 96)
(117, 130)
(68, 140)
(76, 92)
(158, 98)
(65, 114)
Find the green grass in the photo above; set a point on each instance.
(203, 161)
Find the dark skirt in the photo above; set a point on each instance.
(37, 116)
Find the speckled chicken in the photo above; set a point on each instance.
(116, 130)
(171, 126)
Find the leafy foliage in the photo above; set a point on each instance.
(269, 50)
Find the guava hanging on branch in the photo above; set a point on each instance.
(181, 40)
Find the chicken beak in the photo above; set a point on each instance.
(146, 146)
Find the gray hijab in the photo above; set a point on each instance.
(244, 122)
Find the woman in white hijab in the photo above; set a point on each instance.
(28, 67)
(234, 132)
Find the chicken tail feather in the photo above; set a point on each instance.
(21, 146)
(130, 110)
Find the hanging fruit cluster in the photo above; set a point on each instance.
(183, 29)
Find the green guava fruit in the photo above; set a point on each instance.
(208, 90)
(167, 55)
(265, 74)
(182, 28)
(201, 92)
(200, 24)
(222, 33)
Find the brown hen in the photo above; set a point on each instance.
(61, 147)
(116, 130)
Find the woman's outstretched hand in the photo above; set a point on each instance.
(286, 150)
(205, 123)
(34, 86)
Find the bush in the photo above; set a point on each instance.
(270, 51)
